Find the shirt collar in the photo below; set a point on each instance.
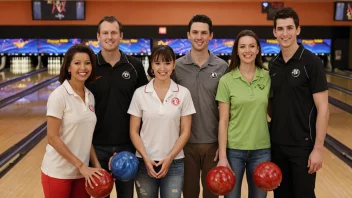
(149, 88)
(189, 61)
(101, 60)
(298, 54)
(237, 74)
(70, 90)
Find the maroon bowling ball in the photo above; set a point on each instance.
(267, 176)
(104, 188)
(221, 180)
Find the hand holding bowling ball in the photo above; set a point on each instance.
(267, 176)
(124, 166)
(221, 180)
(104, 188)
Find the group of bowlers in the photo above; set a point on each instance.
(196, 113)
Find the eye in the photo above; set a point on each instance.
(157, 63)
(88, 63)
(168, 63)
(77, 63)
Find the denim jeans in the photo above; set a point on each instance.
(123, 189)
(170, 185)
(241, 160)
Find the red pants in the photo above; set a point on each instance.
(63, 188)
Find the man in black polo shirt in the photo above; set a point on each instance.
(300, 110)
(118, 76)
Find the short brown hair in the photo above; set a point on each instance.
(78, 48)
(109, 19)
(161, 53)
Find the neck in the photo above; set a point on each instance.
(77, 86)
(111, 57)
(162, 83)
(200, 57)
(288, 52)
(247, 69)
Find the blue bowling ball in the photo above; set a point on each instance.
(124, 166)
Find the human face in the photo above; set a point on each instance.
(109, 36)
(163, 70)
(247, 49)
(80, 67)
(286, 32)
(199, 35)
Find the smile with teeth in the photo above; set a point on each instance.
(83, 74)
(163, 73)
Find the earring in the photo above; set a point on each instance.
(69, 73)
(152, 71)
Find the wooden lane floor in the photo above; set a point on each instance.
(340, 125)
(7, 74)
(19, 119)
(23, 181)
(341, 96)
(342, 82)
(24, 84)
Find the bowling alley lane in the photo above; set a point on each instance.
(8, 74)
(339, 81)
(23, 180)
(20, 118)
(340, 125)
(24, 84)
(341, 96)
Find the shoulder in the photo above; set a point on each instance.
(133, 60)
(219, 61)
(58, 92)
(310, 59)
(180, 61)
(226, 77)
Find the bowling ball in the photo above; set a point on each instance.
(267, 176)
(220, 180)
(124, 166)
(104, 188)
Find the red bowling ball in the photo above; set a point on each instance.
(267, 176)
(221, 180)
(104, 188)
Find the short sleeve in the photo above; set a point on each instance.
(187, 104)
(135, 107)
(317, 78)
(56, 105)
(223, 94)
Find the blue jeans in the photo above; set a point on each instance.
(170, 185)
(241, 160)
(123, 189)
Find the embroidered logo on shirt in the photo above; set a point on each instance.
(295, 72)
(214, 75)
(261, 86)
(175, 101)
(126, 75)
(91, 107)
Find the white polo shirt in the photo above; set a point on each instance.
(161, 121)
(76, 131)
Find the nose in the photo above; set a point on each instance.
(285, 32)
(247, 49)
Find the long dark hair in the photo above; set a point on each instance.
(78, 48)
(235, 59)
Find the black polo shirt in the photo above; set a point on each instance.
(113, 90)
(292, 87)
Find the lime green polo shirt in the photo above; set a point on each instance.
(248, 128)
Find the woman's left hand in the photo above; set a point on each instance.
(165, 164)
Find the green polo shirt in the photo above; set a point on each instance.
(248, 128)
